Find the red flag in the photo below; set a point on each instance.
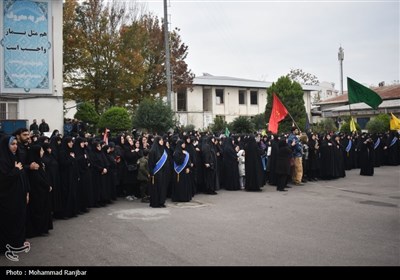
(278, 113)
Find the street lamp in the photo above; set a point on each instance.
(341, 58)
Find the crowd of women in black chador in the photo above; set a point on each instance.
(328, 156)
(62, 177)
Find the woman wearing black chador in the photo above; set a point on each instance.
(40, 220)
(13, 195)
(182, 189)
(367, 155)
(158, 176)
(253, 166)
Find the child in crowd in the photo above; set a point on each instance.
(144, 175)
(242, 172)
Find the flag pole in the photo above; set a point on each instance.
(294, 121)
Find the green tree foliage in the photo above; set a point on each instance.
(219, 125)
(242, 124)
(86, 113)
(114, 55)
(379, 124)
(91, 50)
(385, 118)
(302, 77)
(291, 95)
(116, 119)
(154, 115)
(143, 40)
(345, 128)
(188, 128)
(325, 125)
(376, 126)
(259, 121)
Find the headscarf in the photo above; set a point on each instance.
(7, 158)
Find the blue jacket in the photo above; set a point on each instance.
(297, 150)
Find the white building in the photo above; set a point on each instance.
(220, 96)
(31, 51)
(327, 90)
(227, 97)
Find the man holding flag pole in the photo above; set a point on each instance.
(278, 113)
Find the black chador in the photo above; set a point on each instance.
(327, 167)
(393, 149)
(378, 150)
(40, 220)
(158, 161)
(230, 166)
(100, 181)
(69, 175)
(189, 140)
(209, 164)
(13, 193)
(338, 152)
(85, 190)
(366, 156)
(253, 166)
(283, 165)
(182, 190)
(273, 178)
(53, 175)
(348, 152)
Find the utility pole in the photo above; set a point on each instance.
(167, 58)
(341, 58)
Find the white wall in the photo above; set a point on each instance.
(230, 108)
(43, 108)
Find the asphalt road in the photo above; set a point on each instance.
(354, 221)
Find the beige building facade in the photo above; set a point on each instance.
(227, 97)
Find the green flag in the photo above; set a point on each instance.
(227, 132)
(359, 93)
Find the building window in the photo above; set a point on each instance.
(220, 117)
(219, 94)
(242, 97)
(253, 97)
(182, 100)
(8, 111)
(3, 111)
(362, 122)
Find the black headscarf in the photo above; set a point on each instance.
(34, 154)
(7, 158)
(179, 156)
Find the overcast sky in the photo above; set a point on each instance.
(264, 40)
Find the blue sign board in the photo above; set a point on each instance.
(25, 46)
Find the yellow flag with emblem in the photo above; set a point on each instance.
(394, 122)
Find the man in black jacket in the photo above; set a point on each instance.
(44, 127)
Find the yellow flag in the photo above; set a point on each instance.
(394, 122)
(352, 125)
(263, 132)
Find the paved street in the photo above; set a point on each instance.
(353, 221)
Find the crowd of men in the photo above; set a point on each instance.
(45, 178)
